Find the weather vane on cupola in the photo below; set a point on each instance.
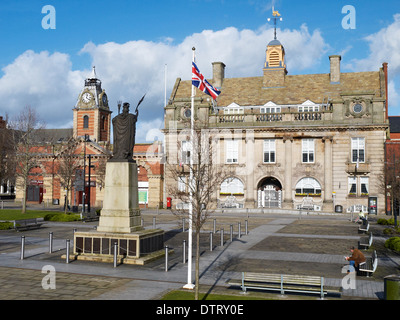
(276, 15)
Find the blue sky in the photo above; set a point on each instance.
(130, 42)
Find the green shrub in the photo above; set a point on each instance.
(393, 243)
(61, 217)
(6, 225)
(388, 231)
(386, 222)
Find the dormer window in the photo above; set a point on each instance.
(233, 109)
(270, 107)
(308, 106)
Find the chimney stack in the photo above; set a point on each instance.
(335, 69)
(218, 74)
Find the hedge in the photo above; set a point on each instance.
(393, 243)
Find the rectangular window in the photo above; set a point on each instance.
(270, 110)
(269, 151)
(185, 152)
(364, 182)
(308, 150)
(182, 184)
(353, 185)
(357, 150)
(232, 151)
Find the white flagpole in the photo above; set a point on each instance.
(189, 284)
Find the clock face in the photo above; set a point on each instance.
(357, 108)
(86, 97)
(188, 113)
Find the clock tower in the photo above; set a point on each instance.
(92, 115)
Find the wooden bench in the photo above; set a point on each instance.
(370, 265)
(27, 224)
(364, 227)
(282, 283)
(366, 242)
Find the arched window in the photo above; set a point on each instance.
(308, 186)
(86, 122)
(232, 186)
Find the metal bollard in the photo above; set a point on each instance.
(166, 258)
(231, 233)
(246, 227)
(184, 252)
(222, 237)
(239, 230)
(211, 241)
(215, 225)
(154, 222)
(115, 254)
(22, 247)
(51, 242)
(67, 256)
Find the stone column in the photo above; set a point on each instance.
(288, 169)
(328, 170)
(250, 188)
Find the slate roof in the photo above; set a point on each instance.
(394, 124)
(297, 89)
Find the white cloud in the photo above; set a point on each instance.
(128, 70)
(384, 47)
(45, 82)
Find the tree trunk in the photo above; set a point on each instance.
(197, 273)
(24, 198)
(66, 201)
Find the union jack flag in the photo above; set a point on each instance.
(200, 82)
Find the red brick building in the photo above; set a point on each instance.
(88, 141)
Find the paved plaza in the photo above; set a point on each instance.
(276, 243)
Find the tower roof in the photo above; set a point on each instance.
(275, 42)
(93, 74)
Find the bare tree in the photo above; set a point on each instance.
(7, 154)
(25, 128)
(196, 184)
(68, 162)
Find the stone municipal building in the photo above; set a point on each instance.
(314, 140)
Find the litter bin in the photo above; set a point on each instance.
(339, 209)
(169, 203)
(392, 287)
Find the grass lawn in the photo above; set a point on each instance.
(12, 214)
(15, 214)
(187, 295)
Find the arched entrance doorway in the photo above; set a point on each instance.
(269, 193)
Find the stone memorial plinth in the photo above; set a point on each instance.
(120, 211)
(120, 223)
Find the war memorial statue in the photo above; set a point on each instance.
(124, 129)
(120, 219)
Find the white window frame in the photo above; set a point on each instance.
(308, 148)
(231, 151)
(185, 152)
(232, 185)
(352, 181)
(269, 147)
(364, 181)
(308, 106)
(358, 145)
(182, 180)
(308, 183)
(233, 108)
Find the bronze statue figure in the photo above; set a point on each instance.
(124, 128)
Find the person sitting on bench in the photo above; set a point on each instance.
(356, 258)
